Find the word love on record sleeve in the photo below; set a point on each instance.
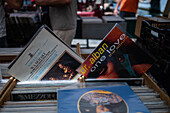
(110, 99)
(117, 56)
(46, 57)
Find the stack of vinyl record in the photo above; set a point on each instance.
(148, 97)
(45, 106)
(42, 90)
(37, 97)
(44, 96)
(151, 99)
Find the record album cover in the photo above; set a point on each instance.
(46, 57)
(107, 99)
(117, 56)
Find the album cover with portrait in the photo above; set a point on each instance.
(46, 57)
(106, 99)
(117, 56)
(63, 68)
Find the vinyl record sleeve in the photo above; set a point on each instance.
(110, 99)
(117, 56)
(45, 83)
(46, 57)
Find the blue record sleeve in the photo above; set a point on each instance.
(110, 99)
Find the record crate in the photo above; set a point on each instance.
(155, 39)
(147, 90)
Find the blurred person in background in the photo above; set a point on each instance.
(63, 17)
(16, 4)
(128, 8)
